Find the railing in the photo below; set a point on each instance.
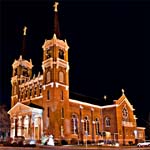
(127, 124)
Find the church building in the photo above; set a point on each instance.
(41, 105)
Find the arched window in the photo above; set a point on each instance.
(48, 95)
(49, 53)
(48, 76)
(30, 90)
(25, 72)
(61, 76)
(15, 90)
(25, 93)
(61, 54)
(40, 88)
(107, 122)
(48, 112)
(62, 113)
(74, 124)
(97, 126)
(15, 71)
(125, 113)
(86, 125)
(35, 90)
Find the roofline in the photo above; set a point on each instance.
(84, 103)
(92, 105)
(140, 127)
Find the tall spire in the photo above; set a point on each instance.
(56, 22)
(24, 40)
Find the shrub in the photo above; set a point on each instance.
(130, 143)
(64, 142)
(74, 141)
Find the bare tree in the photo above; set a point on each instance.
(4, 122)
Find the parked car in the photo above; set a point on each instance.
(144, 144)
(115, 144)
(17, 141)
(101, 142)
(7, 142)
(29, 142)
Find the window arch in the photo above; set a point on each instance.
(86, 125)
(74, 124)
(97, 126)
(61, 76)
(107, 122)
(48, 76)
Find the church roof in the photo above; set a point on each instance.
(35, 106)
(88, 99)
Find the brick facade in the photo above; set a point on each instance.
(45, 102)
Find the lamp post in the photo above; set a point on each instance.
(81, 123)
(105, 97)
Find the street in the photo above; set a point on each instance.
(74, 148)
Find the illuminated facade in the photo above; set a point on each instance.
(42, 105)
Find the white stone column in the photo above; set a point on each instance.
(12, 129)
(19, 128)
(41, 126)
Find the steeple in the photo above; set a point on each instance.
(56, 22)
(24, 41)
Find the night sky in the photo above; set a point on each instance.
(108, 40)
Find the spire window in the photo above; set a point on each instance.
(48, 76)
(25, 72)
(49, 53)
(61, 54)
(61, 76)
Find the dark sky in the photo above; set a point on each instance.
(108, 45)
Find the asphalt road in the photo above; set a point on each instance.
(72, 148)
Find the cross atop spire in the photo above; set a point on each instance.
(24, 40)
(122, 91)
(55, 6)
(56, 21)
(24, 30)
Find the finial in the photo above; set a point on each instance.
(122, 91)
(105, 97)
(31, 61)
(24, 30)
(55, 6)
(54, 36)
(20, 58)
(39, 74)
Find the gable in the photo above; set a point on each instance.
(123, 99)
(21, 108)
